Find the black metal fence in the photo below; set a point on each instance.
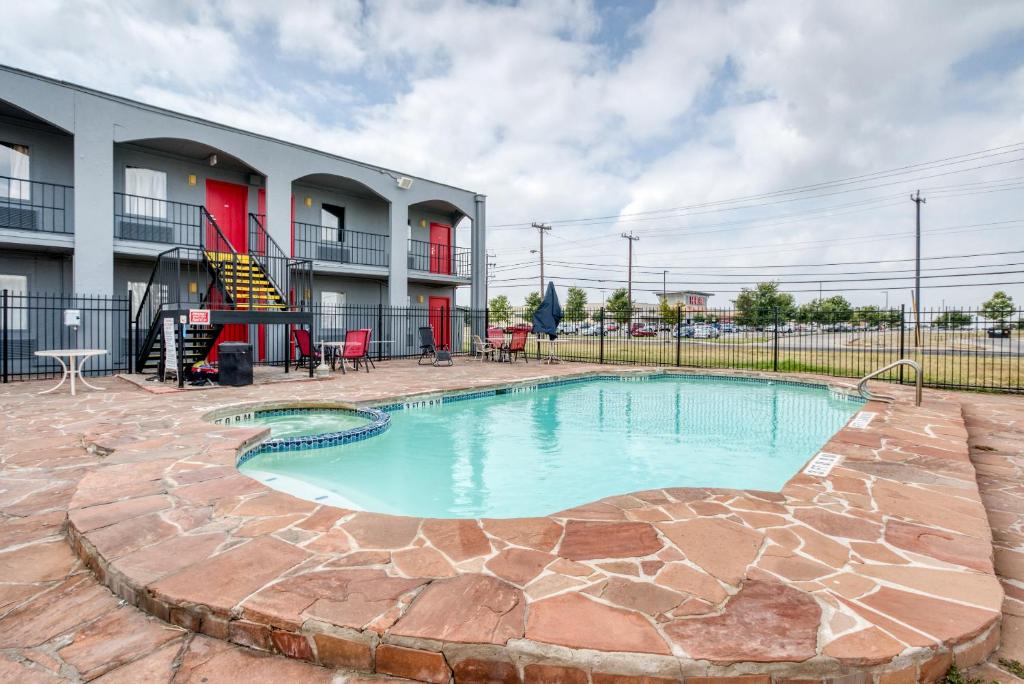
(33, 205)
(341, 245)
(30, 323)
(958, 349)
(961, 349)
(155, 220)
(432, 257)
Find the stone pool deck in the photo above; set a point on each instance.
(881, 571)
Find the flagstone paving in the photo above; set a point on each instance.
(884, 567)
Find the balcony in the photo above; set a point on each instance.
(324, 243)
(154, 220)
(442, 260)
(36, 206)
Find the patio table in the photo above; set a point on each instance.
(73, 368)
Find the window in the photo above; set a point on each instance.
(332, 314)
(148, 192)
(14, 177)
(332, 223)
(16, 286)
(137, 289)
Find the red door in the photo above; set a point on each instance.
(228, 203)
(439, 318)
(440, 248)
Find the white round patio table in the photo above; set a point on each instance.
(76, 359)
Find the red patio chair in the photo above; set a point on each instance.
(357, 348)
(496, 338)
(307, 352)
(518, 345)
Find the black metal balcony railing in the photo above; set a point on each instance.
(33, 205)
(340, 245)
(155, 220)
(440, 259)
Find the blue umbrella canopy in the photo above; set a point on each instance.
(549, 314)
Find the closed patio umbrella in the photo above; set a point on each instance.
(549, 314)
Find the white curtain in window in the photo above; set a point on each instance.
(149, 192)
(14, 164)
(332, 312)
(16, 286)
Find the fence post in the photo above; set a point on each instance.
(775, 343)
(600, 316)
(130, 366)
(380, 331)
(679, 334)
(6, 341)
(903, 325)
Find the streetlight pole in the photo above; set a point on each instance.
(541, 228)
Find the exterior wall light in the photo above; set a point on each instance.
(308, 202)
(423, 223)
(193, 286)
(419, 299)
(403, 182)
(191, 179)
(212, 160)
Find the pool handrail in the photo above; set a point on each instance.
(862, 387)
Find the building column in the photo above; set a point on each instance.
(398, 273)
(94, 198)
(478, 253)
(279, 210)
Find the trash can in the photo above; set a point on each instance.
(235, 363)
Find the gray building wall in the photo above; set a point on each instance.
(46, 272)
(98, 122)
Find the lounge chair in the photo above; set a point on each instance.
(357, 348)
(518, 346)
(307, 352)
(430, 350)
(483, 350)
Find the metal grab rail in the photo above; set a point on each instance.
(870, 396)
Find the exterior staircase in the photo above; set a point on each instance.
(254, 281)
(245, 282)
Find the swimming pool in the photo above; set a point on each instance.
(536, 451)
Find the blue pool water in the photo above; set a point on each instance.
(538, 452)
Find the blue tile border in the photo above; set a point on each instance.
(379, 422)
(380, 418)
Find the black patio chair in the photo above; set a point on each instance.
(430, 350)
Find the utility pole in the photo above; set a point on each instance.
(918, 201)
(664, 286)
(541, 227)
(631, 238)
(490, 276)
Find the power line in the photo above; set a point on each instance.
(903, 170)
(848, 289)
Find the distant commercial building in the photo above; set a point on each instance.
(691, 300)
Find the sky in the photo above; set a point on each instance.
(650, 117)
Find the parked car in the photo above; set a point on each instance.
(705, 332)
(683, 331)
(519, 326)
(728, 328)
(611, 327)
(643, 330)
(569, 328)
(591, 329)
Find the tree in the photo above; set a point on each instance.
(870, 315)
(669, 314)
(953, 320)
(500, 309)
(998, 308)
(530, 305)
(575, 305)
(619, 305)
(760, 306)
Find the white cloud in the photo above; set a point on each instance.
(524, 102)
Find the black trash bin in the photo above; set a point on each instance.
(235, 363)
